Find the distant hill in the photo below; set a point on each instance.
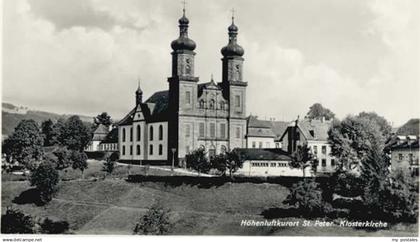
(410, 128)
(12, 115)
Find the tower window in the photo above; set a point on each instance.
(160, 149)
(160, 132)
(222, 131)
(188, 97)
(201, 129)
(151, 133)
(237, 101)
(212, 130)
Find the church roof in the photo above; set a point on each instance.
(263, 154)
(154, 109)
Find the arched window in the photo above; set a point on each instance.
(131, 150)
(201, 103)
(138, 132)
(123, 150)
(211, 104)
(131, 133)
(138, 149)
(160, 132)
(151, 133)
(151, 150)
(123, 134)
(160, 149)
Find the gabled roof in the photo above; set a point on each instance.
(265, 128)
(100, 132)
(312, 130)
(154, 109)
(263, 154)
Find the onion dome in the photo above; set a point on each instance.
(183, 42)
(232, 49)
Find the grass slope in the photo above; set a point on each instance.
(112, 206)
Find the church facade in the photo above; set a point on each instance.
(189, 115)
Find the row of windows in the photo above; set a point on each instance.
(323, 149)
(324, 162)
(260, 144)
(223, 149)
(108, 147)
(401, 157)
(212, 131)
(138, 134)
(269, 164)
(138, 150)
(212, 103)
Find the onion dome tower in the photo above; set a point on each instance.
(232, 48)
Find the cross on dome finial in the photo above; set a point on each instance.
(233, 15)
(183, 8)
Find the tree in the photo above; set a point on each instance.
(47, 129)
(154, 222)
(392, 197)
(197, 160)
(229, 161)
(63, 158)
(79, 159)
(317, 111)
(57, 132)
(303, 158)
(16, 222)
(76, 135)
(352, 139)
(25, 143)
(45, 178)
(109, 164)
(102, 118)
(384, 126)
(306, 196)
(49, 226)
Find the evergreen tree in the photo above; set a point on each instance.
(47, 129)
(46, 179)
(76, 135)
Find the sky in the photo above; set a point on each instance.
(86, 56)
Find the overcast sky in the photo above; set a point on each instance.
(85, 56)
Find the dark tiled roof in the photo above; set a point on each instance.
(315, 129)
(154, 109)
(264, 128)
(279, 127)
(111, 137)
(263, 154)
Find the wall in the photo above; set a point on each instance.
(267, 142)
(270, 168)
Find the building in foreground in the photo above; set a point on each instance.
(190, 114)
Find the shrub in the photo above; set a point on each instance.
(154, 222)
(197, 160)
(16, 222)
(45, 178)
(306, 196)
(48, 226)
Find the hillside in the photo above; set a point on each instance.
(12, 115)
(410, 128)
